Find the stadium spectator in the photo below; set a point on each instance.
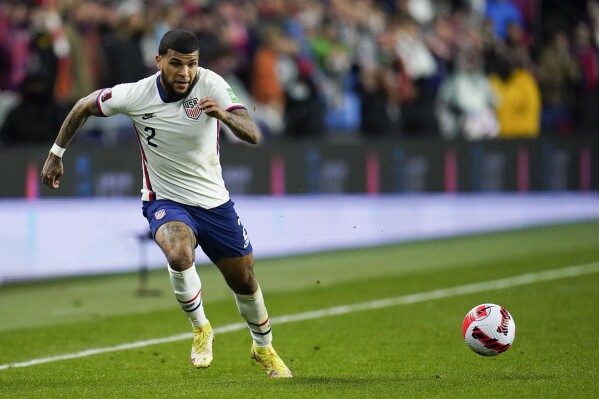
(268, 78)
(5, 38)
(502, 13)
(518, 43)
(332, 42)
(124, 59)
(383, 85)
(305, 107)
(333, 57)
(160, 18)
(36, 117)
(418, 118)
(204, 24)
(50, 49)
(466, 101)
(305, 103)
(232, 28)
(86, 58)
(559, 75)
(586, 117)
(518, 99)
(447, 36)
(421, 11)
(14, 41)
(177, 113)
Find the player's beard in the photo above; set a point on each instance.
(171, 94)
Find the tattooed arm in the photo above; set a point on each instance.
(85, 107)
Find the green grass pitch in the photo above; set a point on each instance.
(406, 350)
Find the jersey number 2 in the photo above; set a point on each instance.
(151, 136)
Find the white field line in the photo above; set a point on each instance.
(523, 279)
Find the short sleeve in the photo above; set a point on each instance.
(115, 100)
(223, 94)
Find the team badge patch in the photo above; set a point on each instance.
(192, 108)
(107, 95)
(160, 214)
(232, 96)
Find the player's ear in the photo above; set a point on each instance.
(159, 62)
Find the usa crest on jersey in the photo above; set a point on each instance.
(192, 108)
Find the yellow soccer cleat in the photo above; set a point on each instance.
(201, 349)
(272, 363)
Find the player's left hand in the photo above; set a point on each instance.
(210, 107)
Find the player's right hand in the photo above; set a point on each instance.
(52, 171)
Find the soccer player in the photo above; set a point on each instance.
(177, 114)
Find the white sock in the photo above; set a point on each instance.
(252, 309)
(188, 290)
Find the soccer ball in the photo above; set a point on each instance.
(489, 329)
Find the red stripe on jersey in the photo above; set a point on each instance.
(99, 103)
(234, 107)
(144, 168)
(218, 136)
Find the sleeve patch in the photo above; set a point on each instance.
(232, 96)
(107, 95)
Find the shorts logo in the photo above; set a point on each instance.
(246, 238)
(192, 108)
(160, 214)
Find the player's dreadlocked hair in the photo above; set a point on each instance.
(179, 40)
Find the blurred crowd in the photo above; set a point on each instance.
(457, 69)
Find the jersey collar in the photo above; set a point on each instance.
(161, 92)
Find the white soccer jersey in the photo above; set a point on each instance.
(178, 142)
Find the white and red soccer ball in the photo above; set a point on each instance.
(489, 329)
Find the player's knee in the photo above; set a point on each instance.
(179, 261)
